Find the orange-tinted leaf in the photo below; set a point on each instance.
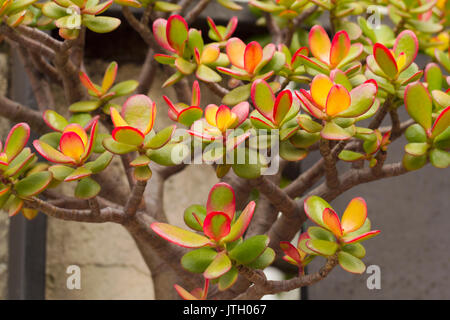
(116, 118)
(331, 220)
(320, 88)
(86, 81)
(71, 145)
(76, 128)
(195, 100)
(319, 43)
(340, 47)
(338, 100)
(50, 153)
(186, 295)
(109, 77)
(235, 50)
(354, 215)
(252, 56)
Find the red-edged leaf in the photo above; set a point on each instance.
(290, 251)
(128, 135)
(238, 228)
(331, 220)
(16, 140)
(222, 198)
(195, 100)
(361, 237)
(86, 81)
(216, 225)
(177, 32)
(252, 56)
(241, 111)
(419, 104)
(184, 294)
(263, 98)
(235, 49)
(220, 265)
(159, 31)
(442, 122)
(179, 236)
(319, 43)
(385, 60)
(51, 154)
(282, 106)
(340, 46)
(407, 44)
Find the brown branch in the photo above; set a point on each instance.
(274, 29)
(279, 199)
(16, 112)
(139, 27)
(36, 46)
(381, 114)
(135, 199)
(217, 89)
(331, 173)
(148, 73)
(94, 206)
(105, 215)
(297, 22)
(196, 11)
(262, 286)
(46, 39)
(396, 125)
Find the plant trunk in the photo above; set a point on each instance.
(163, 276)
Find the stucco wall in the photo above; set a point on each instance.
(4, 220)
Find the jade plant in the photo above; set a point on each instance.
(251, 107)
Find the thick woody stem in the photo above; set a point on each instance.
(135, 198)
(94, 206)
(396, 130)
(331, 173)
(381, 114)
(279, 199)
(16, 112)
(274, 29)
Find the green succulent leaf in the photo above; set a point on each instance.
(350, 263)
(249, 249)
(198, 260)
(33, 184)
(87, 188)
